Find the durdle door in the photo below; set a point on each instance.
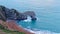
(8, 17)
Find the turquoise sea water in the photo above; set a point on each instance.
(48, 17)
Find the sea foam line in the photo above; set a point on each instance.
(41, 31)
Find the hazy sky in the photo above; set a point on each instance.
(30, 3)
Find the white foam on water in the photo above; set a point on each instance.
(28, 19)
(38, 31)
(41, 32)
(45, 32)
(29, 30)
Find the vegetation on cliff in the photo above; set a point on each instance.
(9, 31)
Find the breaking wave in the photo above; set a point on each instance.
(28, 19)
(41, 31)
(37, 31)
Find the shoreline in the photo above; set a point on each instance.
(13, 26)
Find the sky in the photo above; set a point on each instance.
(30, 3)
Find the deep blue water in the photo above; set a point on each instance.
(48, 16)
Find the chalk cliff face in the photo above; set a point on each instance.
(12, 14)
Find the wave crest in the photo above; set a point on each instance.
(41, 31)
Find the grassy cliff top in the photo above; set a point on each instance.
(5, 31)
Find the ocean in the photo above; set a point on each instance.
(47, 21)
(48, 17)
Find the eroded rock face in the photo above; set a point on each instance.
(2, 13)
(31, 14)
(18, 15)
(12, 14)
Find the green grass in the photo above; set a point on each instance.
(9, 32)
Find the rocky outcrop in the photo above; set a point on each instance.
(18, 15)
(12, 14)
(2, 13)
(31, 14)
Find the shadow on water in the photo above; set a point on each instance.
(33, 22)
